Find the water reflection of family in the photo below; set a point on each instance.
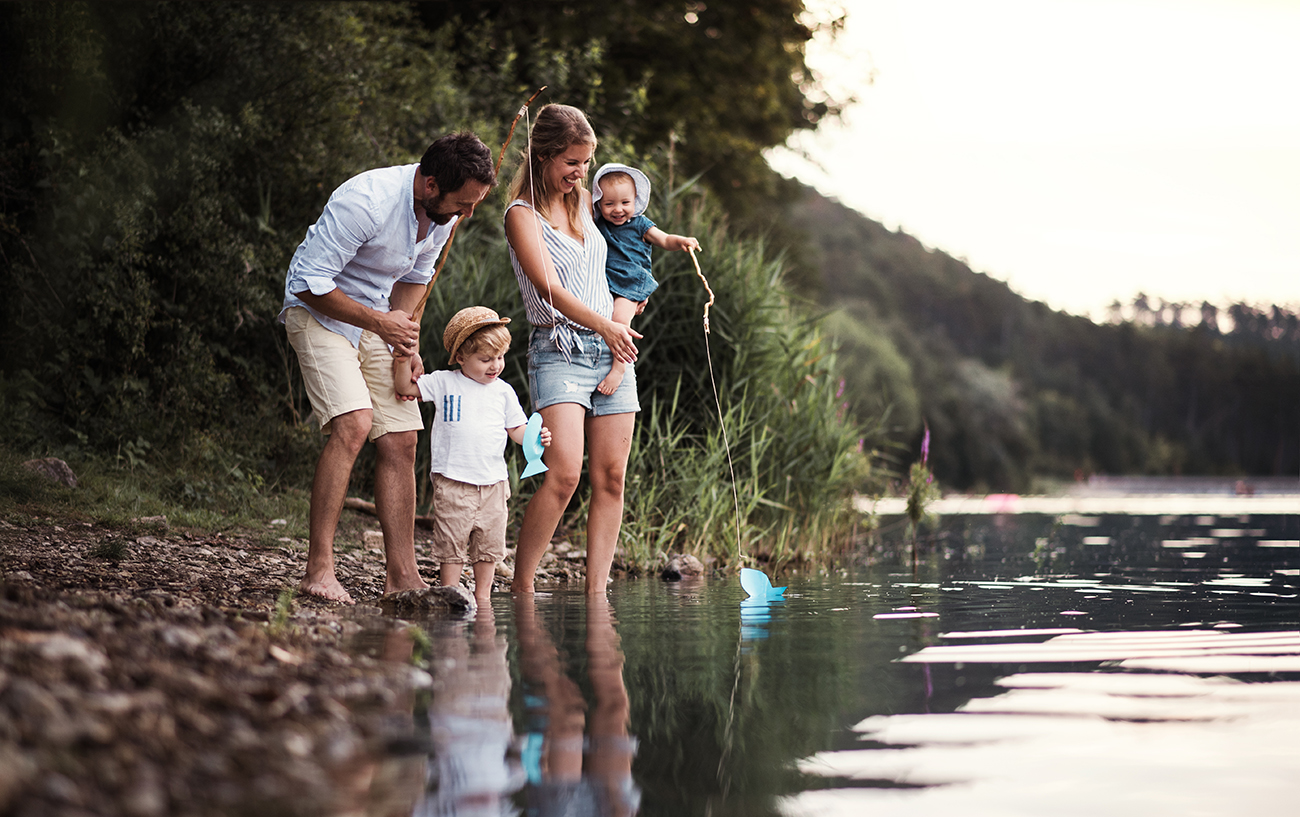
(576, 763)
(569, 760)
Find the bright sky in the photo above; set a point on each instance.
(1080, 150)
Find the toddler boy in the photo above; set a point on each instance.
(475, 411)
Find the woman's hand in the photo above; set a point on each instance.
(620, 339)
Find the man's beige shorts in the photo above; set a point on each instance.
(469, 521)
(340, 379)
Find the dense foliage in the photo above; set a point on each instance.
(159, 163)
(1013, 390)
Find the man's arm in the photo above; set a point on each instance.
(395, 327)
(405, 297)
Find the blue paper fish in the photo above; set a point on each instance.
(759, 586)
(533, 446)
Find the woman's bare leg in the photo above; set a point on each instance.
(563, 458)
(609, 440)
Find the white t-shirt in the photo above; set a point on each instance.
(468, 437)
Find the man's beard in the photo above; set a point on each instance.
(431, 206)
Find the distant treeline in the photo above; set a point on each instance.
(1012, 390)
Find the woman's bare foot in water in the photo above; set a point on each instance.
(610, 384)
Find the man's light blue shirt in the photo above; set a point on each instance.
(363, 243)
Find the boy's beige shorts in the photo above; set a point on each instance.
(469, 521)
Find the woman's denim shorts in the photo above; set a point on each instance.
(552, 379)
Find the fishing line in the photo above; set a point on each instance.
(708, 353)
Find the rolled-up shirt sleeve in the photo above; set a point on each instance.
(422, 273)
(331, 243)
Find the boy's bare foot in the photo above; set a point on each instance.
(610, 384)
(328, 589)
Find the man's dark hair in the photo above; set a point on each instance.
(457, 158)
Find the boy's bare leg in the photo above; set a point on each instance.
(329, 487)
(484, 573)
(623, 312)
(450, 572)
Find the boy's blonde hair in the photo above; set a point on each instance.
(491, 339)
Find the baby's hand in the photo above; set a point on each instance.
(545, 436)
(687, 242)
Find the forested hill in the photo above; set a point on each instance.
(1012, 389)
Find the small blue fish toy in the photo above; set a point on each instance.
(759, 586)
(533, 447)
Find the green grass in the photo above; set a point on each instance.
(138, 499)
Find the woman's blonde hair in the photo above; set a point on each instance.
(556, 129)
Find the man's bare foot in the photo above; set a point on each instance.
(610, 384)
(393, 586)
(328, 589)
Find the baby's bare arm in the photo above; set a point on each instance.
(670, 241)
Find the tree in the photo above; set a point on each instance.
(718, 83)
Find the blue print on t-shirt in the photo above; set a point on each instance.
(451, 408)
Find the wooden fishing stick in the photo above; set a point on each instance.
(726, 444)
(707, 288)
(446, 249)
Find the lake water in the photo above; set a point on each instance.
(1030, 665)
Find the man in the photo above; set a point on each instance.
(349, 296)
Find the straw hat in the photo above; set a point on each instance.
(466, 322)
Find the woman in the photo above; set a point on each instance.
(559, 260)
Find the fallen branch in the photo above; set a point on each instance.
(364, 506)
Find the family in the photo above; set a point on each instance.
(582, 262)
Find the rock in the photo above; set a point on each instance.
(427, 600)
(681, 566)
(373, 539)
(53, 469)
